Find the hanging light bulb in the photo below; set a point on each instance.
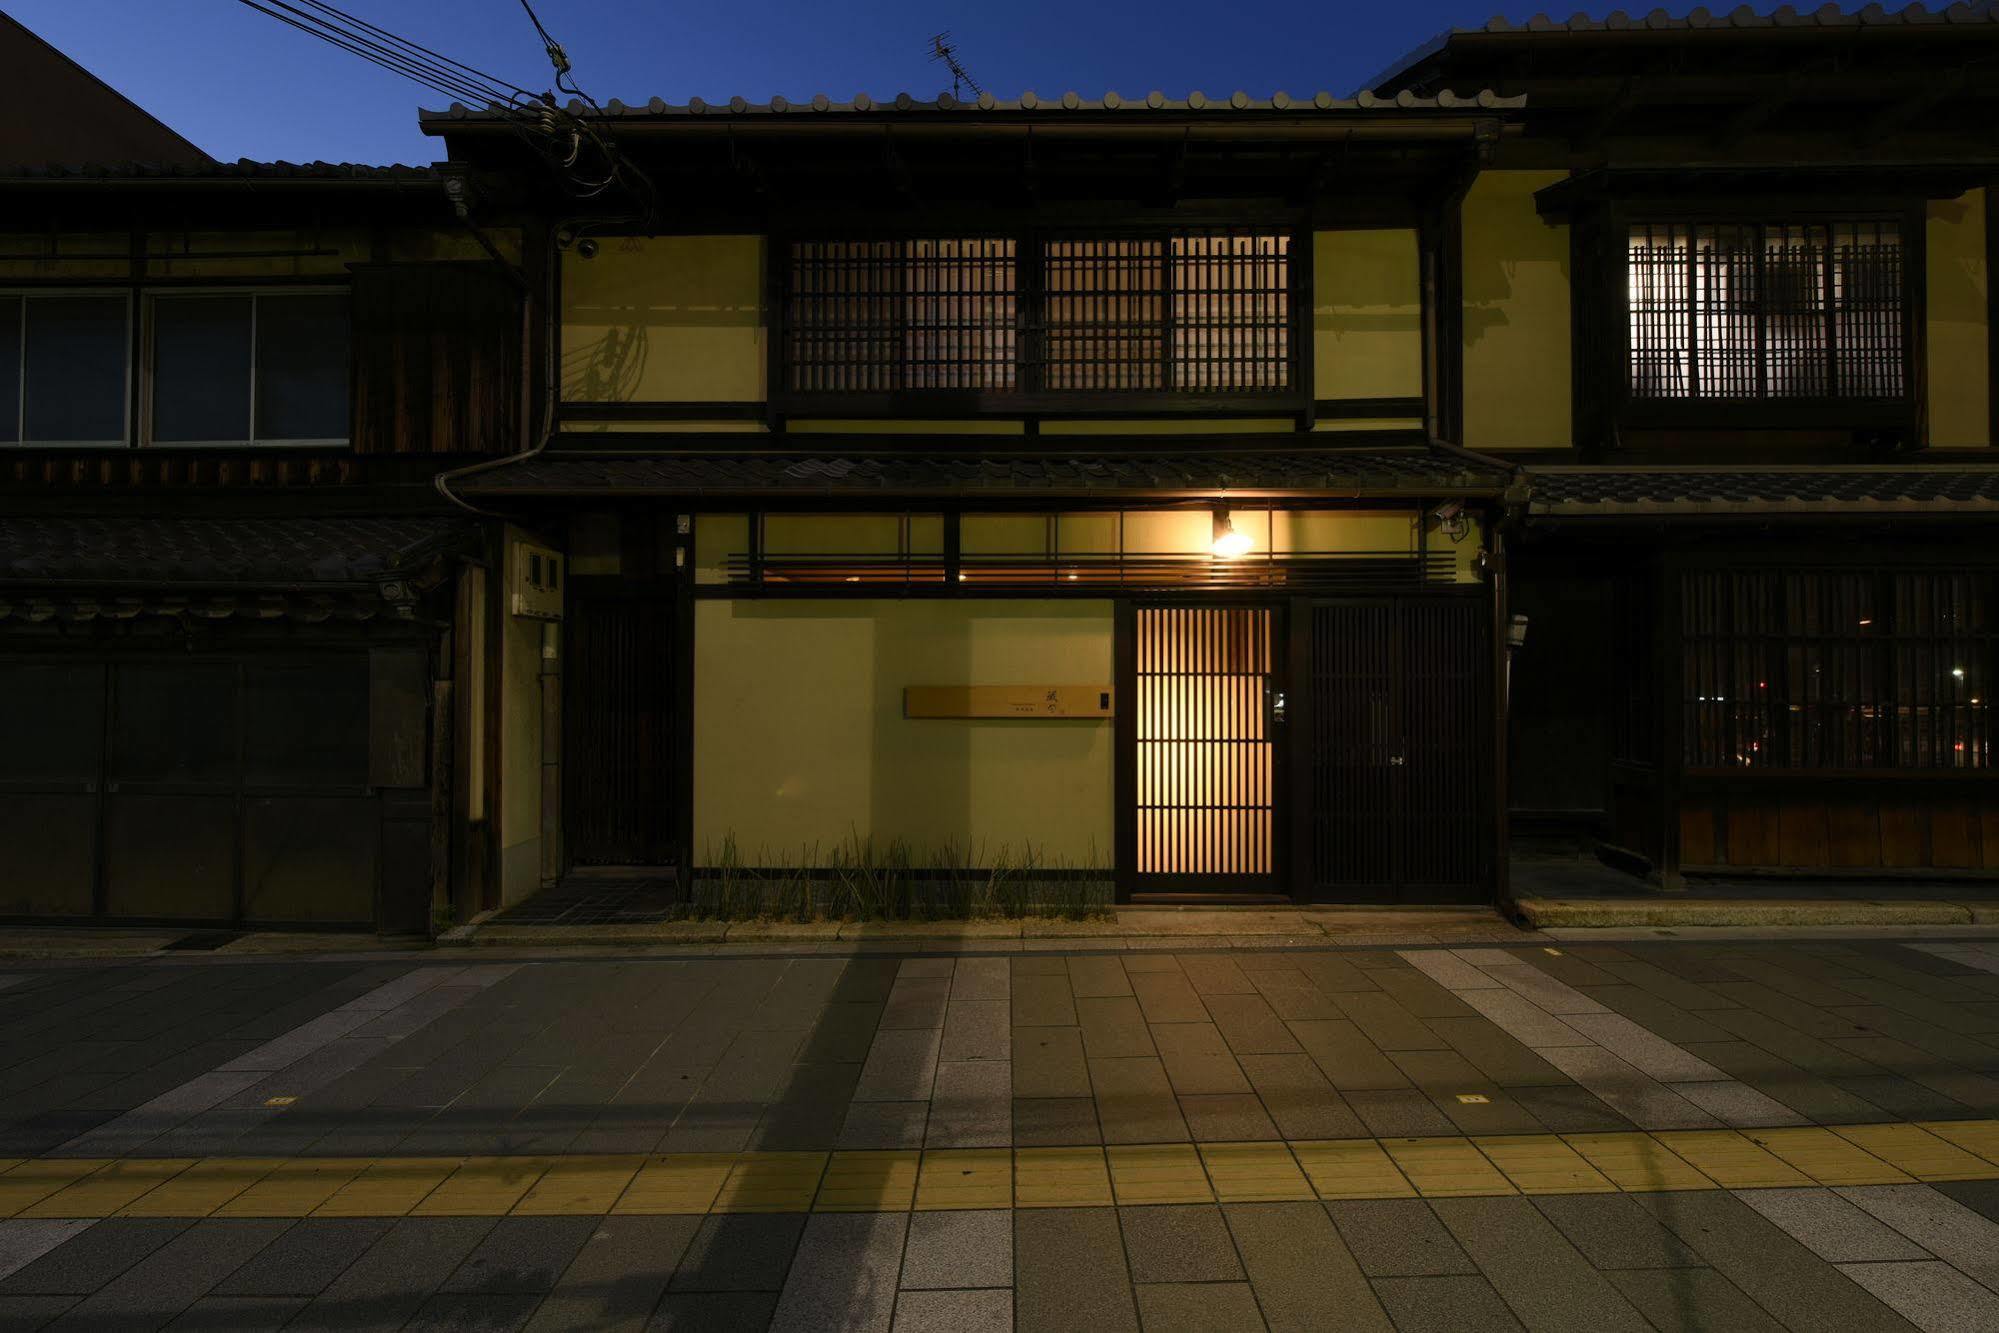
(1228, 543)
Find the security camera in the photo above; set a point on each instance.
(586, 248)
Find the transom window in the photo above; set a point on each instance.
(220, 367)
(1754, 310)
(1207, 311)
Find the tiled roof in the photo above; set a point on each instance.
(240, 170)
(1328, 471)
(1026, 103)
(1930, 488)
(259, 552)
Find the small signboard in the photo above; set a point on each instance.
(1022, 701)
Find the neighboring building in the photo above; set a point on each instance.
(1151, 484)
(1747, 262)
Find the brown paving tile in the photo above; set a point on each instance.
(1422, 996)
(1168, 997)
(1295, 1092)
(1098, 975)
(1691, 996)
(1135, 963)
(1662, 1017)
(1227, 1118)
(1113, 1025)
(1215, 974)
(1333, 973)
(1387, 1024)
(1048, 1062)
(1135, 1102)
(1814, 1098)
(1250, 1025)
(1349, 1060)
(1055, 1122)
(1978, 1091)
(1293, 996)
(1497, 1054)
(1400, 1113)
(1043, 1001)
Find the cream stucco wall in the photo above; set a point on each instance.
(1516, 316)
(800, 741)
(1367, 315)
(664, 319)
(520, 742)
(1957, 312)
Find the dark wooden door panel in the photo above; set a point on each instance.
(619, 789)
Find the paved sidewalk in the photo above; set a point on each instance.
(1746, 1134)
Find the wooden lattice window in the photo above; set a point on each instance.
(1200, 311)
(1839, 669)
(1747, 310)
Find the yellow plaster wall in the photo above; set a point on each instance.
(1367, 315)
(520, 742)
(1959, 373)
(1516, 316)
(664, 319)
(800, 738)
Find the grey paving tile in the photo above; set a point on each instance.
(976, 1030)
(1135, 1102)
(1049, 1062)
(989, 1311)
(917, 1002)
(1069, 1271)
(844, 1275)
(959, 1249)
(1938, 1223)
(971, 1105)
(1692, 1300)
(901, 1066)
(1530, 982)
(1298, 1097)
(739, 1252)
(1613, 1232)
(1167, 997)
(386, 1286)
(1977, 1091)
(1399, 1113)
(1645, 1103)
(1643, 1049)
(1831, 1227)
(1096, 975)
(1043, 1001)
(1197, 1307)
(843, 1032)
(1659, 1016)
(1398, 1238)
(522, 1254)
(1822, 1101)
(981, 979)
(1739, 1105)
(1227, 1118)
(1113, 1026)
(806, 1116)
(24, 1240)
(158, 1287)
(1933, 1296)
(1523, 1020)
(714, 1312)
(233, 1314)
(1448, 970)
(616, 1279)
(1443, 1305)
(1347, 1058)
(92, 1257)
(1897, 1096)
(473, 1312)
(885, 1125)
(1303, 1275)
(1808, 1053)
(1055, 1122)
(1981, 1196)
(1547, 1281)
(1773, 1270)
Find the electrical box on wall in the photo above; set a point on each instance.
(538, 578)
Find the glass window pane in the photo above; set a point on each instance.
(10, 369)
(302, 358)
(75, 371)
(201, 368)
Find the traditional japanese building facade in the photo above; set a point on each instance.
(1159, 489)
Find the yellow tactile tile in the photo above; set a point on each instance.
(1254, 1172)
(584, 1186)
(1061, 1178)
(1826, 1157)
(31, 1182)
(771, 1182)
(1637, 1163)
(1915, 1150)
(1730, 1160)
(390, 1187)
(1543, 1164)
(294, 1189)
(1158, 1173)
(1446, 1167)
(679, 1183)
(1351, 1169)
(965, 1178)
(483, 1187)
(868, 1182)
(102, 1193)
(1974, 1136)
(202, 1188)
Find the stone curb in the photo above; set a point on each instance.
(1547, 913)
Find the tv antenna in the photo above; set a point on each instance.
(941, 49)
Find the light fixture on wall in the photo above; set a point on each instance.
(1228, 543)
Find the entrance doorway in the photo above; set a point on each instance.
(1202, 754)
(1399, 750)
(619, 793)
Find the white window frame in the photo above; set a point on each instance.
(149, 377)
(20, 440)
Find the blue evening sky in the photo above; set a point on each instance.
(240, 84)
